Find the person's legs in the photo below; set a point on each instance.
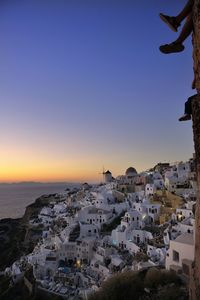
(177, 45)
(186, 30)
(185, 11)
(188, 109)
(175, 21)
(188, 106)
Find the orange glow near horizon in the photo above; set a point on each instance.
(46, 174)
(17, 166)
(44, 166)
(24, 162)
(45, 171)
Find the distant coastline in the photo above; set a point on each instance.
(15, 197)
(15, 234)
(38, 183)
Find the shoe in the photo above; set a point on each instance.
(171, 48)
(170, 21)
(185, 117)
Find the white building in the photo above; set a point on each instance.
(148, 210)
(150, 189)
(158, 180)
(181, 248)
(157, 255)
(133, 218)
(94, 215)
(183, 213)
(84, 248)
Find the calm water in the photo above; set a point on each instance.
(15, 197)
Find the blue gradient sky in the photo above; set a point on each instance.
(83, 84)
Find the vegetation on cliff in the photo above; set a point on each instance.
(151, 284)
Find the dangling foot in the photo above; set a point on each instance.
(170, 21)
(172, 48)
(185, 117)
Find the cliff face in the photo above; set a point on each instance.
(18, 237)
(195, 281)
(196, 43)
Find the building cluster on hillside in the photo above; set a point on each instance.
(131, 222)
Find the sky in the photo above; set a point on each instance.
(83, 86)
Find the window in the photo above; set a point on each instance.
(175, 256)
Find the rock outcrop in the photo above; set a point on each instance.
(195, 280)
(196, 43)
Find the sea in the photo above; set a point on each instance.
(15, 197)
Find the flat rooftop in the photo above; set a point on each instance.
(185, 238)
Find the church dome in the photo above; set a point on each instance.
(131, 171)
